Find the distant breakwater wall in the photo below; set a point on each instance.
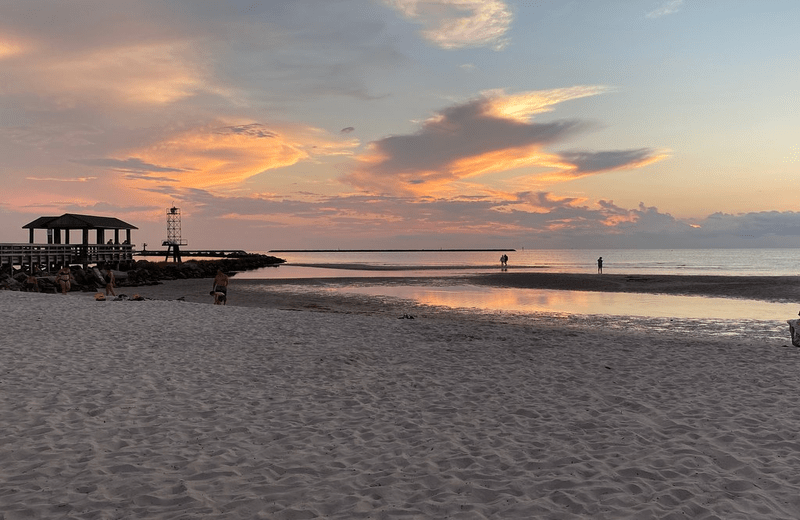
(144, 272)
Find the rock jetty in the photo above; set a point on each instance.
(142, 272)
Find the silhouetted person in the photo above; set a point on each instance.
(600, 265)
(109, 279)
(220, 290)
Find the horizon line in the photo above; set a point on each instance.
(386, 250)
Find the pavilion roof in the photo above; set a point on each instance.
(73, 221)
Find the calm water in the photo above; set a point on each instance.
(741, 262)
(760, 262)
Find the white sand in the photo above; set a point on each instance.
(163, 410)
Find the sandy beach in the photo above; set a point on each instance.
(297, 406)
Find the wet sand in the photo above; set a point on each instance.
(768, 288)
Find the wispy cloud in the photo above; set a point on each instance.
(150, 73)
(61, 179)
(666, 8)
(225, 155)
(454, 24)
(129, 165)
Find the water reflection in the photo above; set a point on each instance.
(579, 302)
(289, 272)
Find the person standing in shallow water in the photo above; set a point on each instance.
(600, 265)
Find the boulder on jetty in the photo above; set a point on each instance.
(144, 272)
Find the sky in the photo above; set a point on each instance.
(403, 124)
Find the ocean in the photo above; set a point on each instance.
(733, 262)
(362, 270)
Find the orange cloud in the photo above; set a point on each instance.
(9, 48)
(226, 155)
(616, 220)
(504, 160)
(156, 73)
(520, 107)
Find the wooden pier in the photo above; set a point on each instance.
(49, 256)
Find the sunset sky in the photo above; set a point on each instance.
(406, 123)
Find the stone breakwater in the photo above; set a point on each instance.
(142, 273)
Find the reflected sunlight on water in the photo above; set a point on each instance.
(579, 302)
(655, 313)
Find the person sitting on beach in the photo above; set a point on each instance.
(110, 280)
(64, 277)
(220, 290)
(31, 283)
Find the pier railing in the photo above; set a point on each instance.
(60, 254)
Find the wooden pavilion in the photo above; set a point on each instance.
(58, 250)
(85, 223)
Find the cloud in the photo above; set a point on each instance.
(666, 8)
(215, 156)
(541, 218)
(149, 73)
(489, 134)
(62, 179)
(455, 24)
(347, 130)
(752, 226)
(583, 163)
(129, 165)
(9, 48)
(155, 55)
(225, 155)
(179, 92)
(135, 176)
(255, 130)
